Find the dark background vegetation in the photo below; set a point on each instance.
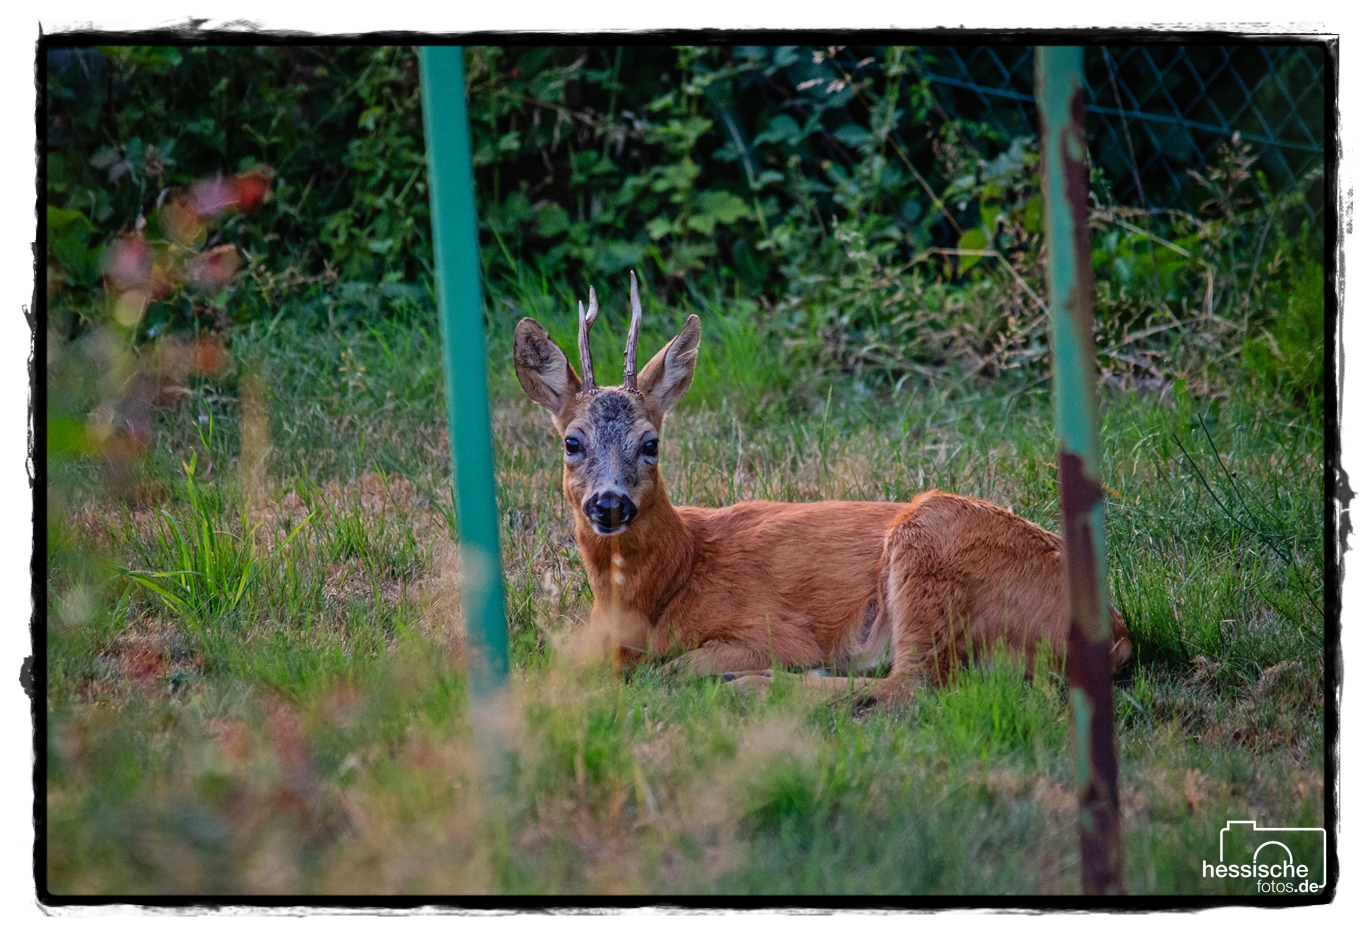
(817, 184)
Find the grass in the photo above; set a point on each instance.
(257, 687)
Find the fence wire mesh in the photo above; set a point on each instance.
(1156, 115)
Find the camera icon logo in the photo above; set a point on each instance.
(1281, 860)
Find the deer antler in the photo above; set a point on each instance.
(631, 348)
(587, 318)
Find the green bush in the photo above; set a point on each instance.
(863, 228)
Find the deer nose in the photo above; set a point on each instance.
(610, 510)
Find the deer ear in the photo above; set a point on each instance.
(542, 368)
(667, 376)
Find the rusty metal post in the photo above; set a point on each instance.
(1070, 287)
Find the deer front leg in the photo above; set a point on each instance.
(744, 669)
(622, 639)
(719, 658)
(815, 684)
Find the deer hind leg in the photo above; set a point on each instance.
(1122, 650)
(928, 629)
(926, 601)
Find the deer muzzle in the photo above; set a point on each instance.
(610, 513)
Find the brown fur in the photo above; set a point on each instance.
(743, 587)
(961, 576)
(939, 580)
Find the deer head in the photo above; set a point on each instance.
(609, 434)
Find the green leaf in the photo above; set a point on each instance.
(990, 210)
(1033, 214)
(62, 220)
(704, 223)
(69, 234)
(781, 129)
(663, 102)
(550, 220)
(367, 120)
(658, 227)
(679, 136)
(689, 256)
(517, 209)
(58, 176)
(973, 239)
(680, 177)
(618, 255)
(852, 135)
(723, 206)
(66, 436)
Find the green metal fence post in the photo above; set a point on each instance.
(1070, 286)
(457, 267)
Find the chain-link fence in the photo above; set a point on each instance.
(1156, 114)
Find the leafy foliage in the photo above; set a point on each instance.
(867, 227)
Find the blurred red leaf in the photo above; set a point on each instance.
(128, 261)
(214, 269)
(181, 222)
(207, 355)
(235, 738)
(162, 281)
(252, 187)
(211, 197)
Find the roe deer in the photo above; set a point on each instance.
(739, 588)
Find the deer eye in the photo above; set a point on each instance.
(650, 447)
(574, 446)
